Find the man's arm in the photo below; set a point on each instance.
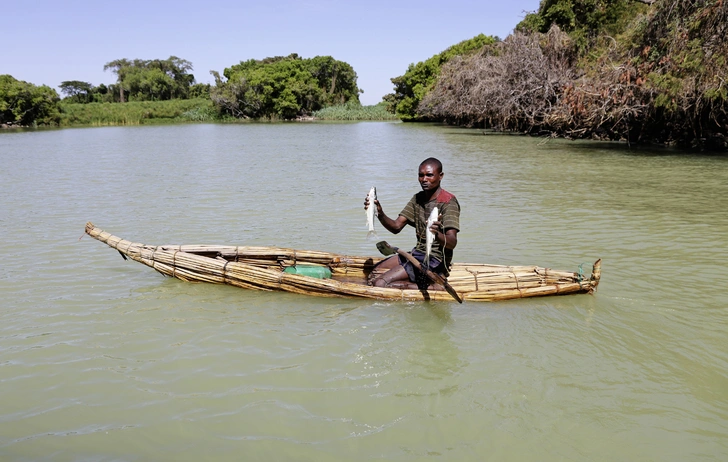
(448, 239)
(394, 226)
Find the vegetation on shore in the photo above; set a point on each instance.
(420, 78)
(355, 111)
(192, 110)
(154, 91)
(284, 87)
(634, 70)
(137, 112)
(25, 104)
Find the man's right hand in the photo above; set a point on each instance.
(376, 204)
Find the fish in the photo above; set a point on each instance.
(371, 212)
(429, 236)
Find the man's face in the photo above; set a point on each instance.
(429, 177)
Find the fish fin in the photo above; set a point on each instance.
(372, 234)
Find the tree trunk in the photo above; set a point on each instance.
(333, 82)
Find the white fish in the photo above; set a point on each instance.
(429, 237)
(371, 211)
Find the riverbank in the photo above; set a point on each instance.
(137, 113)
(191, 110)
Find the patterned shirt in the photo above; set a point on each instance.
(417, 211)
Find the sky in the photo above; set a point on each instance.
(46, 42)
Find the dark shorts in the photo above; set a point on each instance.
(415, 275)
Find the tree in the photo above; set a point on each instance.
(200, 90)
(583, 20)
(155, 79)
(283, 86)
(120, 67)
(22, 103)
(76, 90)
(336, 78)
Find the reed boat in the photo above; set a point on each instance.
(274, 268)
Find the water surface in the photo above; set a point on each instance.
(102, 359)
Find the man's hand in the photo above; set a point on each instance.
(376, 204)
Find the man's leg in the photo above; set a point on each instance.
(394, 276)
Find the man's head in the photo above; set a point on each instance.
(430, 174)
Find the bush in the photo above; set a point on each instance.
(418, 81)
(25, 104)
(284, 87)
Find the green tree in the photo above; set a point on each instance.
(152, 80)
(22, 103)
(583, 20)
(120, 67)
(200, 90)
(336, 78)
(77, 90)
(283, 86)
(420, 78)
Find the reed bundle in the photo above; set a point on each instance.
(262, 268)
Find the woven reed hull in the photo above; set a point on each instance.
(261, 268)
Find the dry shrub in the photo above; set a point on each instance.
(512, 85)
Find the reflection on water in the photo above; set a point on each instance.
(105, 358)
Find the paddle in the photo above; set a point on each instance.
(387, 249)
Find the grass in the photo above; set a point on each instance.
(354, 111)
(189, 110)
(137, 113)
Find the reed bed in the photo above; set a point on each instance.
(261, 268)
(353, 111)
(137, 112)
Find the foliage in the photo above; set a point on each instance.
(199, 90)
(152, 80)
(77, 91)
(418, 80)
(680, 56)
(583, 20)
(283, 87)
(137, 113)
(355, 111)
(25, 104)
(625, 71)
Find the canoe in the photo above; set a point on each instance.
(269, 268)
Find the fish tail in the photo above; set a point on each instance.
(372, 234)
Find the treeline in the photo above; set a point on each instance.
(139, 80)
(635, 70)
(272, 88)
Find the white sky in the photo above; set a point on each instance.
(47, 42)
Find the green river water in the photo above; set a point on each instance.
(105, 359)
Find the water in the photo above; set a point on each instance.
(102, 359)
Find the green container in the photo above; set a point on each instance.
(318, 272)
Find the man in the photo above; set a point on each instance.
(401, 273)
